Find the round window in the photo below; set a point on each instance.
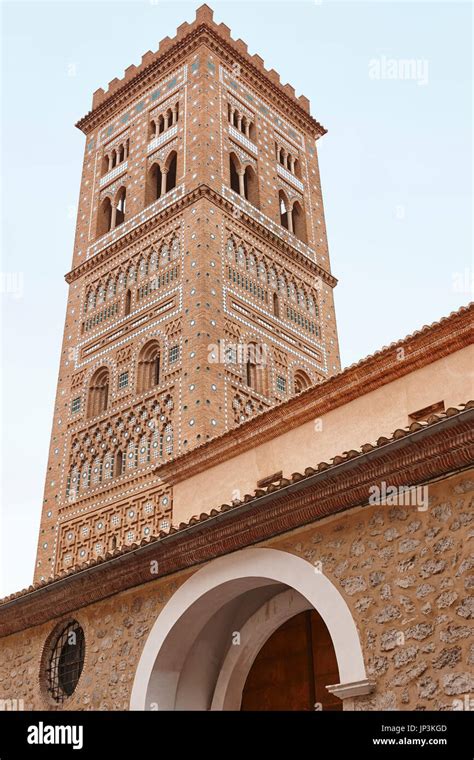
(66, 660)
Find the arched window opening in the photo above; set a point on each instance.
(148, 373)
(255, 368)
(128, 302)
(283, 210)
(168, 118)
(98, 392)
(299, 226)
(114, 159)
(297, 169)
(251, 131)
(120, 207)
(276, 305)
(172, 164)
(161, 124)
(113, 543)
(251, 186)
(104, 219)
(234, 174)
(119, 467)
(154, 183)
(301, 381)
(121, 154)
(152, 132)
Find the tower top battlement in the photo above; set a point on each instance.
(105, 102)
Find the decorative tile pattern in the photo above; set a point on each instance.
(290, 177)
(115, 172)
(233, 132)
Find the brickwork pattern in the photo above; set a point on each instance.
(218, 269)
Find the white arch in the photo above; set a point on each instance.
(217, 584)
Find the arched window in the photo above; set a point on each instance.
(171, 166)
(98, 392)
(234, 173)
(255, 368)
(114, 158)
(119, 464)
(301, 380)
(104, 218)
(299, 226)
(251, 186)
(154, 184)
(283, 202)
(161, 124)
(148, 371)
(168, 118)
(251, 373)
(152, 130)
(120, 207)
(121, 154)
(276, 305)
(128, 302)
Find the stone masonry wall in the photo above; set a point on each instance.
(404, 573)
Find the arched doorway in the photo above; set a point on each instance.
(203, 644)
(293, 668)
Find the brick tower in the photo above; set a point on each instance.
(200, 292)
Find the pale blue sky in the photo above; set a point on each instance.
(395, 167)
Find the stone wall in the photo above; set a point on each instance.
(404, 573)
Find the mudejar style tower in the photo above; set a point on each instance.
(200, 291)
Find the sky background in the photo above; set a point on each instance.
(396, 172)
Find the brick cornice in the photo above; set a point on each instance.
(202, 191)
(228, 49)
(419, 349)
(428, 454)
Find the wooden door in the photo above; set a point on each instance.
(293, 668)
